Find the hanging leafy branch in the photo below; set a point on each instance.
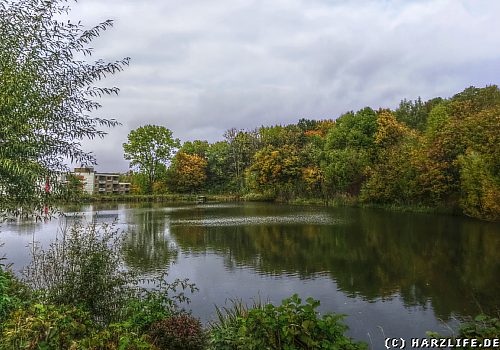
(47, 97)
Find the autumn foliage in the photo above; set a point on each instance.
(441, 153)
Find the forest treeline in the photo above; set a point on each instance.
(437, 153)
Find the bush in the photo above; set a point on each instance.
(481, 327)
(259, 197)
(45, 327)
(5, 299)
(292, 325)
(157, 302)
(116, 336)
(83, 267)
(13, 293)
(179, 332)
(63, 327)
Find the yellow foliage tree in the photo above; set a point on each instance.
(188, 172)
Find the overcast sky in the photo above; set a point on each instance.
(200, 67)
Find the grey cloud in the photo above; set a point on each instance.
(201, 67)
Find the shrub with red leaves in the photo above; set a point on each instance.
(179, 332)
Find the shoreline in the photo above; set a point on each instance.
(334, 202)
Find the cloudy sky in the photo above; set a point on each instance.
(200, 67)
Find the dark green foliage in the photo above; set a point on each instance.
(413, 113)
(149, 149)
(344, 169)
(241, 147)
(46, 95)
(481, 328)
(307, 124)
(116, 336)
(179, 332)
(159, 301)
(6, 300)
(349, 150)
(45, 327)
(356, 130)
(218, 159)
(197, 147)
(13, 293)
(291, 325)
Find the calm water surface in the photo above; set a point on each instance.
(393, 274)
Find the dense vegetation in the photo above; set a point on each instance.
(439, 153)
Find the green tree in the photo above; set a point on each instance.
(278, 136)
(480, 189)
(138, 182)
(349, 150)
(46, 95)
(197, 147)
(242, 147)
(353, 130)
(218, 158)
(345, 169)
(149, 149)
(75, 186)
(412, 113)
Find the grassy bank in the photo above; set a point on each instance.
(354, 202)
(336, 201)
(167, 198)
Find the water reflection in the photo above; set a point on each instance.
(147, 245)
(453, 263)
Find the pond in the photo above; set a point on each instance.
(392, 274)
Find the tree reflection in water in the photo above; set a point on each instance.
(147, 245)
(451, 262)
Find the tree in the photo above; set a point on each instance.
(188, 172)
(412, 113)
(197, 147)
(242, 147)
(218, 169)
(276, 170)
(47, 93)
(149, 149)
(480, 189)
(353, 130)
(75, 185)
(349, 150)
(391, 178)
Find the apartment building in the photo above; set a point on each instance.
(101, 183)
